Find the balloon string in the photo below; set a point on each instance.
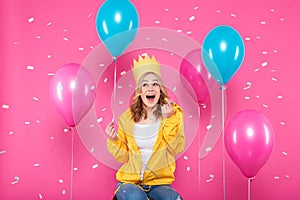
(115, 81)
(249, 188)
(72, 164)
(222, 88)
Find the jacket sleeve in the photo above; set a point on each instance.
(173, 131)
(119, 148)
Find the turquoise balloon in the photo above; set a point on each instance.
(117, 22)
(223, 52)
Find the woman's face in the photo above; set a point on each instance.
(150, 90)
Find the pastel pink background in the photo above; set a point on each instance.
(37, 37)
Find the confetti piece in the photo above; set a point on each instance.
(264, 64)
(15, 43)
(189, 32)
(196, 8)
(99, 119)
(14, 182)
(66, 130)
(61, 181)
(208, 126)
(95, 166)
(264, 52)
(179, 31)
(63, 192)
(65, 39)
(123, 73)
(103, 109)
(174, 89)
(276, 177)
(247, 98)
(275, 51)
(157, 22)
(75, 168)
(272, 10)
(284, 153)
(49, 56)
(208, 149)
(49, 23)
(166, 9)
(31, 19)
(30, 67)
(256, 70)
(121, 102)
(192, 18)
(281, 19)
(211, 178)
(101, 65)
(190, 116)
(279, 97)
(38, 37)
(5, 106)
(258, 37)
(93, 87)
(282, 123)
(92, 149)
(247, 38)
(35, 98)
(218, 11)
(27, 123)
(51, 138)
(36, 165)
(263, 22)
(176, 18)
(2, 152)
(120, 86)
(257, 96)
(40, 196)
(265, 105)
(232, 15)
(274, 79)
(11, 132)
(188, 169)
(185, 157)
(164, 39)
(17, 178)
(92, 125)
(51, 74)
(105, 80)
(80, 48)
(287, 176)
(90, 14)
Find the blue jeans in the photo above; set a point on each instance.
(129, 191)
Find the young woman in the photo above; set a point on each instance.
(150, 134)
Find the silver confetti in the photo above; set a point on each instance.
(192, 18)
(31, 19)
(5, 106)
(264, 64)
(2, 152)
(95, 166)
(30, 67)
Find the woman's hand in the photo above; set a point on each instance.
(110, 131)
(167, 109)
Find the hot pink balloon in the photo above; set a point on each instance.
(249, 140)
(194, 71)
(72, 91)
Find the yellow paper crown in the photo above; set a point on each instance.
(144, 65)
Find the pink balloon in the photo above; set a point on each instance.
(72, 91)
(249, 140)
(194, 71)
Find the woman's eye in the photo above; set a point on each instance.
(145, 85)
(155, 84)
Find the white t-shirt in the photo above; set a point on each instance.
(145, 137)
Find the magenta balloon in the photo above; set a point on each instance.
(72, 91)
(193, 70)
(249, 140)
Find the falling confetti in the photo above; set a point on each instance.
(192, 18)
(5, 106)
(31, 19)
(30, 67)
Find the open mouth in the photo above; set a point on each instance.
(150, 97)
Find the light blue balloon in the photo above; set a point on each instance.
(223, 52)
(117, 22)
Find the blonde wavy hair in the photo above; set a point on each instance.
(137, 106)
